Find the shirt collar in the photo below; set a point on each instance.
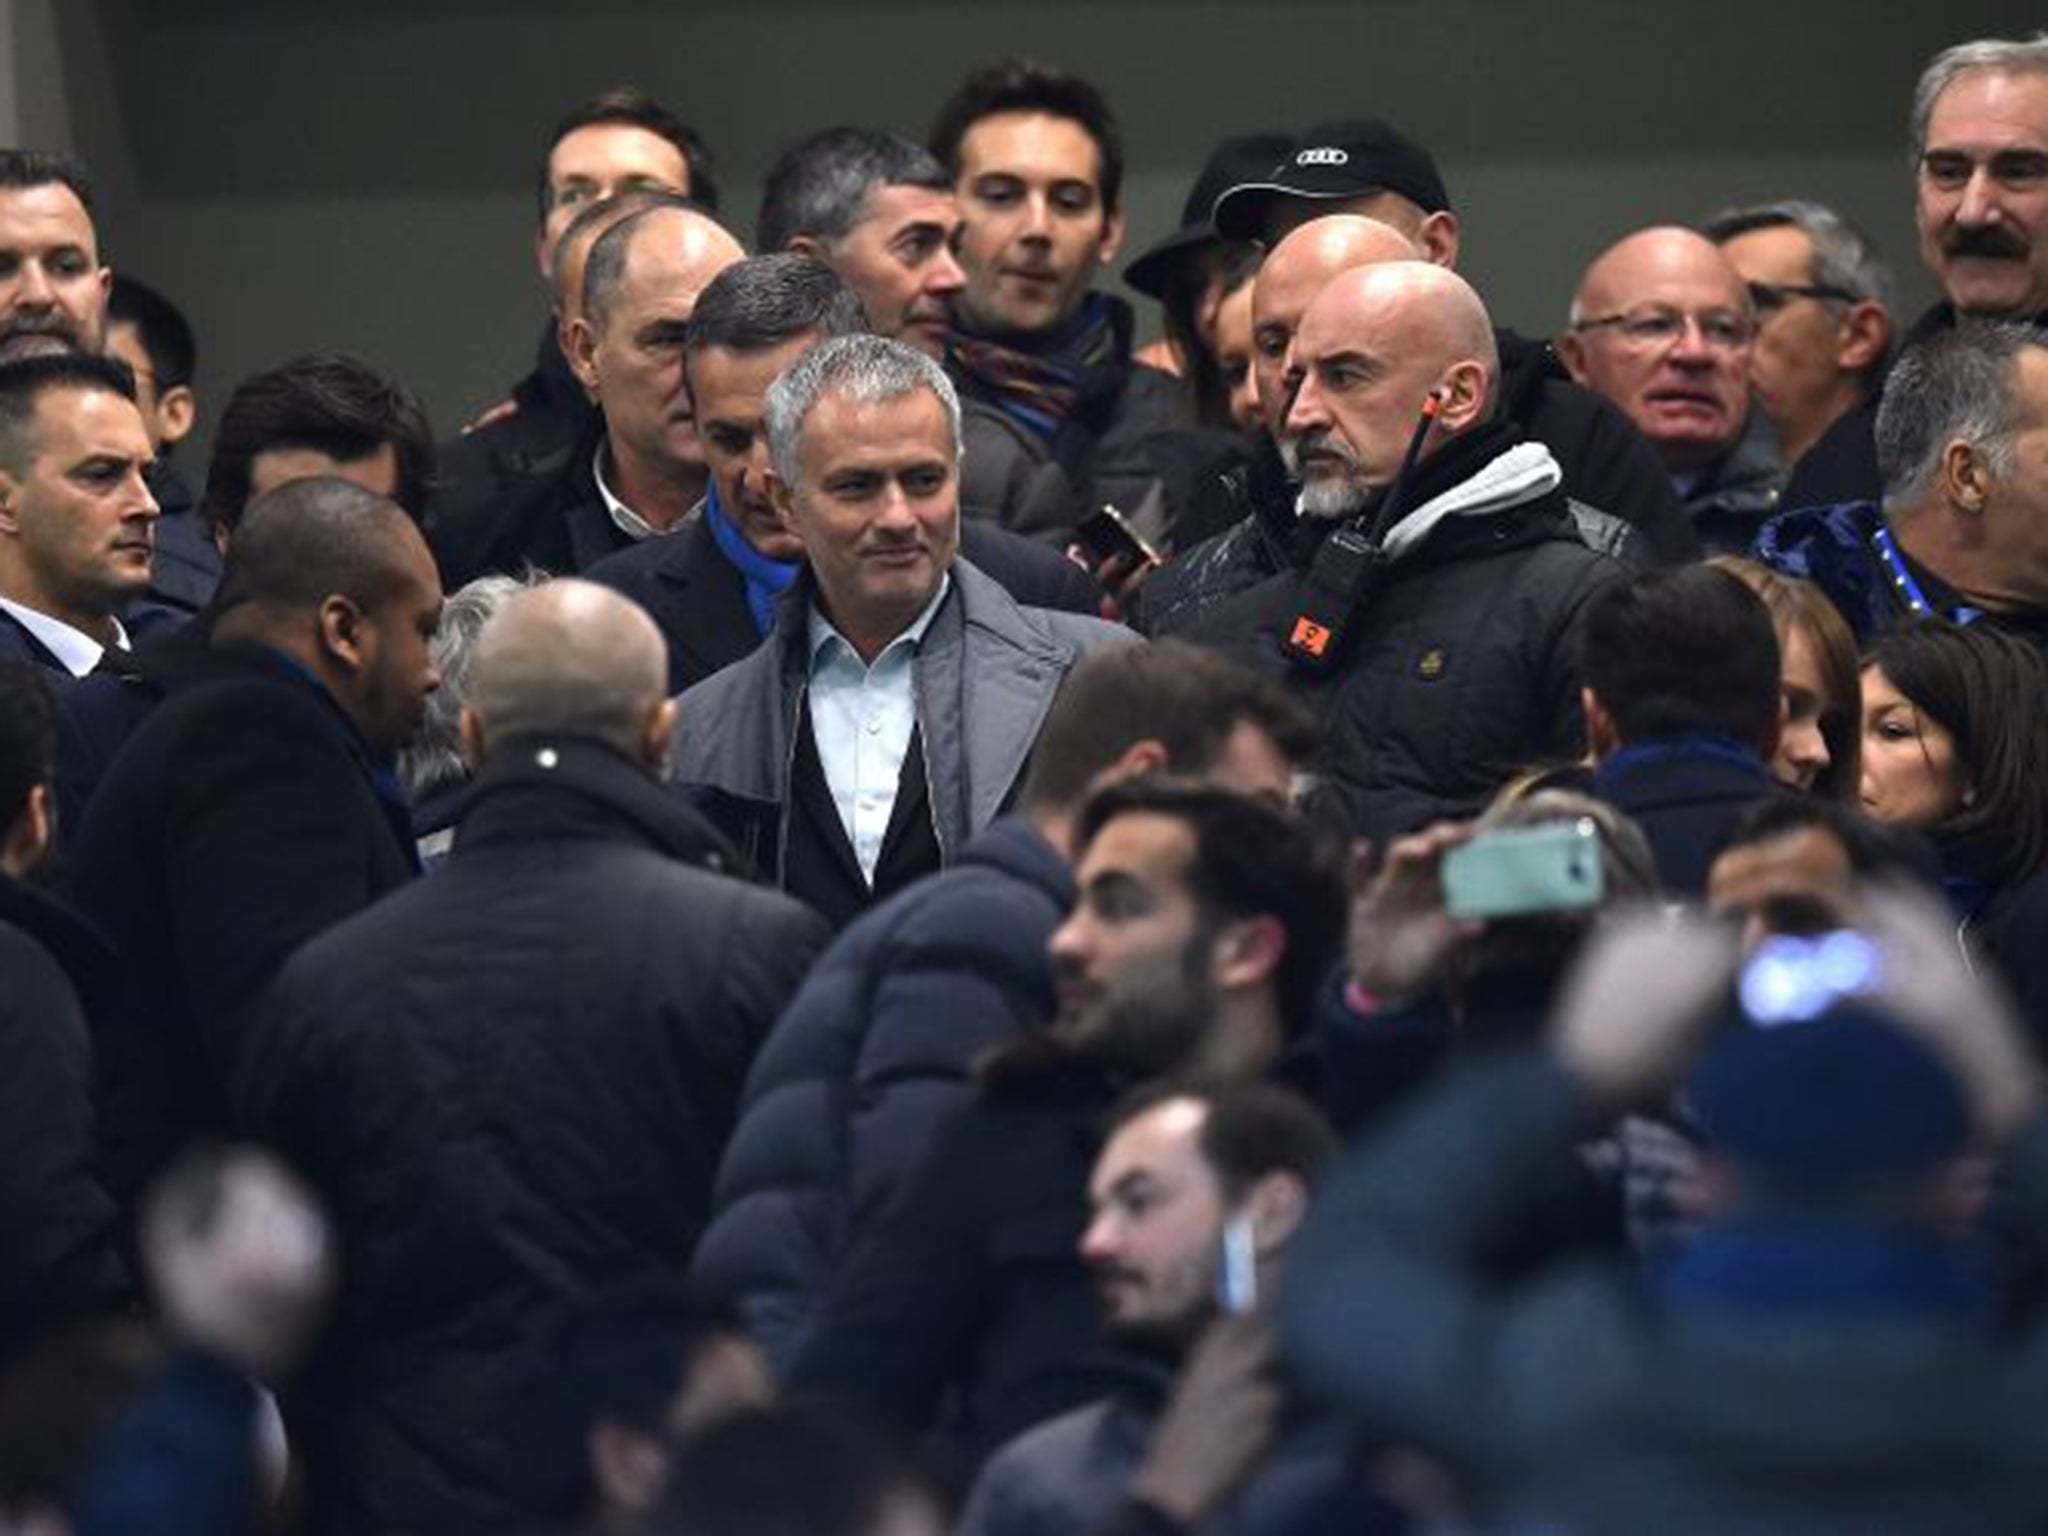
(74, 649)
(629, 522)
(823, 635)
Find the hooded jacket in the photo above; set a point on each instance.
(1457, 670)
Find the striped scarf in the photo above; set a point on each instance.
(1038, 387)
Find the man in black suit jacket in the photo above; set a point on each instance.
(75, 512)
(256, 806)
(711, 586)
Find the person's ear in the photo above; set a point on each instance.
(1438, 238)
(782, 497)
(1602, 738)
(1571, 351)
(1862, 337)
(808, 245)
(1461, 396)
(1965, 477)
(176, 410)
(1248, 952)
(628, 1467)
(658, 738)
(343, 633)
(1140, 757)
(579, 347)
(10, 503)
(1112, 237)
(469, 726)
(28, 841)
(1275, 1207)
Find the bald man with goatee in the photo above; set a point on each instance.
(513, 1082)
(1600, 448)
(1426, 607)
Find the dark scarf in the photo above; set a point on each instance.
(1038, 385)
(766, 579)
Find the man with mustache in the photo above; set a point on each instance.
(1980, 178)
(76, 516)
(1662, 326)
(53, 289)
(888, 716)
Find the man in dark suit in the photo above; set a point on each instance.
(712, 587)
(256, 806)
(75, 513)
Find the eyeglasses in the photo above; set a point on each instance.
(1660, 327)
(1769, 298)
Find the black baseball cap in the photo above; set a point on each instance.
(1233, 161)
(1332, 162)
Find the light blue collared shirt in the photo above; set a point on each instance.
(861, 718)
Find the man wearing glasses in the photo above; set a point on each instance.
(1662, 326)
(1821, 294)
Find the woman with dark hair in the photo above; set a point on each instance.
(1820, 750)
(1955, 745)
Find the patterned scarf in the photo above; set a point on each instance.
(1039, 386)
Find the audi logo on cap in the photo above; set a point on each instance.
(1322, 157)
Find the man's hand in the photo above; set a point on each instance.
(1400, 933)
(1217, 1425)
(1637, 1006)
(492, 415)
(240, 1258)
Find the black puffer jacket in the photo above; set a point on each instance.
(865, 1063)
(1459, 670)
(512, 1082)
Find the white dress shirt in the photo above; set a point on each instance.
(74, 648)
(862, 717)
(628, 522)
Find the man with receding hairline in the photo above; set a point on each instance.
(1433, 634)
(255, 806)
(1662, 325)
(584, 932)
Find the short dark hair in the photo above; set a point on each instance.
(1182, 696)
(1989, 690)
(1682, 650)
(630, 107)
(1021, 85)
(165, 334)
(621, 1356)
(1252, 859)
(25, 380)
(311, 539)
(1251, 1130)
(764, 301)
(605, 267)
(819, 187)
(28, 738)
(23, 169)
(330, 402)
(792, 1470)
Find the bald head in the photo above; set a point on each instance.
(570, 658)
(1661, 326)
(672, 250)
(313, 538)
(1375, 345)
(1294, 272)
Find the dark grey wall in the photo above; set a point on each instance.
(357, 175)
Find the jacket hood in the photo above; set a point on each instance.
(1524, 473)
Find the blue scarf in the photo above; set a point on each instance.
(1679, 749)
(766, 579)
